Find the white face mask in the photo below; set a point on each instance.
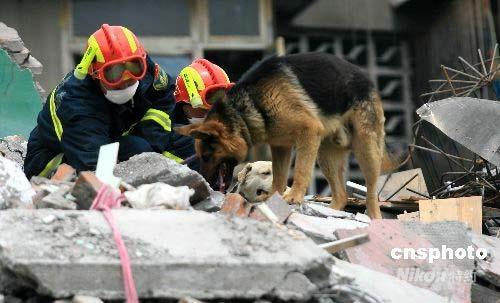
(121, 96)
(195, 120)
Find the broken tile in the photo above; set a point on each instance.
(85, 189)
(277, 205)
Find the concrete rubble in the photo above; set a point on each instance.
(14, 148)
(174, 254)
(149, 168)
(14, 46)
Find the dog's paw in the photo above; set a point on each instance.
(293, 197)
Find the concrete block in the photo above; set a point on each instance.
(57, 199)
(148, 168)
(20, 57)
(173, 254)
(15, 189)
(9, 39)
(86, 187)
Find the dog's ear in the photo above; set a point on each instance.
(242, 175)
(217, 95)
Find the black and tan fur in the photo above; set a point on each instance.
(317, 103)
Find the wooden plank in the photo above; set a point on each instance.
(466, 209)
(335, 246)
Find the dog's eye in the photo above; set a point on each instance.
(267, 173)
(261, 191)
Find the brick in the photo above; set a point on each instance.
(236, 205)
(64, 173)
(86, 187)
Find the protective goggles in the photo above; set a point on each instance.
(115, 73)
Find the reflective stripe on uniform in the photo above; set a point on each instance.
(172, 156)
(51, 166)
(57, 160)
(55, 120)
(159, 117)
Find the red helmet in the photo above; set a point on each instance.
(113, 55)
(196, 81)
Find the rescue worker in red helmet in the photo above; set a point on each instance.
(194, 86)
(115, 94)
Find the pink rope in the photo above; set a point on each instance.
(106, 199)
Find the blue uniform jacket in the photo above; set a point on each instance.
(88, 120)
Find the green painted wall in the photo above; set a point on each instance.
(19, 99)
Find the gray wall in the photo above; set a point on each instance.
(39, 24)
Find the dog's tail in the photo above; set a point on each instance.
(394, 158)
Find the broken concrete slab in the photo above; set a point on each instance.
(14, 148)
(15, 189)
(449, 278)
(149, 168)
(58, 199)
(378, 287)
(321, 229)
(173, 254)
(489, 268)
(212, 203)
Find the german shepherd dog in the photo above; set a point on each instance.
(323, 106)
